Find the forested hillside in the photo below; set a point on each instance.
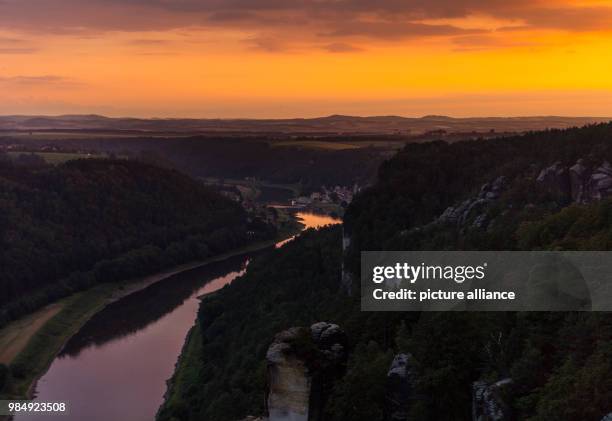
(68, 227)
(546, 190)
(294, 284)
(423, 180)
(542, 191)
(235, 157)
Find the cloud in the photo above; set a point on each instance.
(37, 81)
(491, 42)
(7, 51)
(15, 46)
(148, 42)
(299, 21)
(394, 30)
(11, 40)
(571, 19)
(228, 16)
(341, 47)
(266, 43)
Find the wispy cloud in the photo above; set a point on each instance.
(341, 47)
(266, 43)
(8, 50)
(149, 42)
(16, 46)
(42, 80)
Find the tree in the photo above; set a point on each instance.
(4, 376)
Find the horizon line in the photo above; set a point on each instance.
(426, 116)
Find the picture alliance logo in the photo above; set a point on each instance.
(413, 273)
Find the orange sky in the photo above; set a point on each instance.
(285, 58)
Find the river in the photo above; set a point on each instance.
(116, 366)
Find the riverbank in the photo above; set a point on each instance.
(187, 369)
(44, 344)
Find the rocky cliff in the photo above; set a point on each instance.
(487, 401)
(582, 182)
(302, 366)
(346, 277)
(473, 208)
(289, 382)
(400, 390)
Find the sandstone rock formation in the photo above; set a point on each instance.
(400, 393)
(578, 176)
(580, 183)
(474, 207)
(288, 380)
(487, 403)
(600, 182)
(302, 365)
(556, 179)
(346, 278)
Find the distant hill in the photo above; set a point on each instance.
(335, 124)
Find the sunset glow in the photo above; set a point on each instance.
(272, 58)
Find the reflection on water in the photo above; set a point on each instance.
(315, 220)
(116, 367)
(135, 312)
(311, 220)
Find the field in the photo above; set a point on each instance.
(15, 336)
(252, 189)
(317, 144)
(56, 158)
(84, 134)
(340, 145)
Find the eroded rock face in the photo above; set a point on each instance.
(474, 208)
(346, 278)
(326, 335)
(487, 403)
(288, 379)
(556, 179)
(580, 183)
(401, 382)
(302, 365)
(600, 182)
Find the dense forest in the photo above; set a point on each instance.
(296, 284)
(423, 180)
(541, 191)
(65, 228)
(559, 363)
